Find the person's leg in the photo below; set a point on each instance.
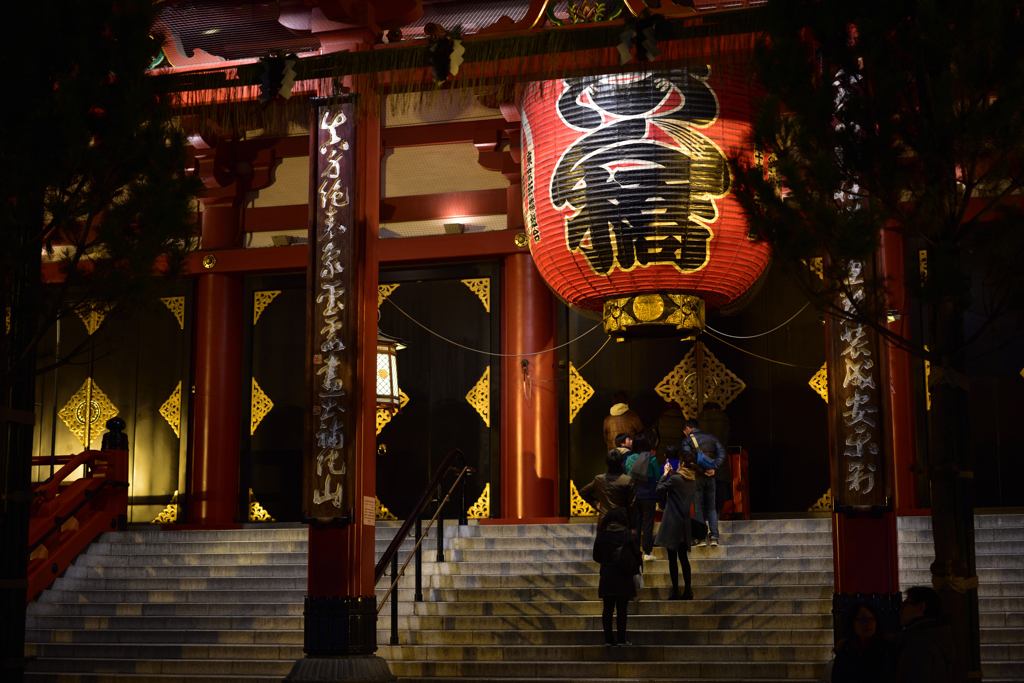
(712, 513)
(647, 507)
(673, 570)
(620, 617)
(687, 576)
(606, 620)
(698, 501)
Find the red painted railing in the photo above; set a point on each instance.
(68, 517)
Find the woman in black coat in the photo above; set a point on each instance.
(616, 587)
(678, 488)
(866, 654)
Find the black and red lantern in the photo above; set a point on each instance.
(627, 195)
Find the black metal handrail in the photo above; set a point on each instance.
(417, 510)
(397, 573)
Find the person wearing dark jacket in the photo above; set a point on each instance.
(612, 491)
(925, 646)
(713, 420)
(615, 494)
(696, 443)
(642, 467)
(866, 653)
(675, 534)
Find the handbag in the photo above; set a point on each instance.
(638, 582)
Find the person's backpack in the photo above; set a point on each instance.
(624, 558)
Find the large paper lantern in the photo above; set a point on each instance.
(627, 195)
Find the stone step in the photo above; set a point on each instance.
(163, 651)
(922, 576)
(1001, 561)
(157, 535)
(637, 635)
(660, 591)
(622, 666)
(96, 559)
(176, 667)
(590, 607)
(235, 547)
(167, 609)
(598, 653)
(980, 522)
(989, 535)
(981, 548)
(166, 636)
(239, 596)
(278, 583)
(247, 571)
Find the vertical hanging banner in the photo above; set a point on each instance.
(856, 402)
(330, 332)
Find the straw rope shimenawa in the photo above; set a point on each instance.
(493, 63)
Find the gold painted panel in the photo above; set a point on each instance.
(169, 514)
(482, 288)
(176, 304)
(823, 503)
(171, 410)
(260, 302)
(257, 513)
(480, 396)
(577, 506)
(261, 405)
(92, 315)
(579, 392)
(380, 511)
(482, 507)
(383, 292)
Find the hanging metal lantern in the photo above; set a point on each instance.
(388, 393)
(627, 195)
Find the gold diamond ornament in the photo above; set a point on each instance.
(820, 382)
(384, 415)
(577, 506)
(171, 410)
(261, 405)
(176, 305)
(86, 412)
(680, 385)
(482, 288)
(260, 302)
(480, 396)
(482, 507)
(579, 392)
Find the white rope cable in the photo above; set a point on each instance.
(488, 353)
(755, 336)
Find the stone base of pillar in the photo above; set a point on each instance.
(887, 605)
(363, 668)
(339, 627)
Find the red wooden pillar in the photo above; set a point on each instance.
(529, 425)
(213, 490)
(902, 413)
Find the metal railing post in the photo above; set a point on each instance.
(440, 528)
(394, 601)
(419, 561)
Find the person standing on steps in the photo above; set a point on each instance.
(620, 419)
(865, 654)
(624, 443)
(615, 497)
(677, 487)
(667, 429)
(642, 467)
(713, 420)
(925, 645)
(709, 454)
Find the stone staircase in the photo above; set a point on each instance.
(999, 549)
(513, 603)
